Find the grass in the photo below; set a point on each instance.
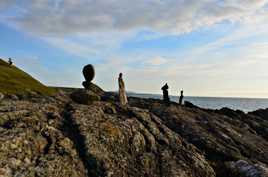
(15, 81)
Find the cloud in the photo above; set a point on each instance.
(89, 28)
(69, 17)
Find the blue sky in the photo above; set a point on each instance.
(206, 47)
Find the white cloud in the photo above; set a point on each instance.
(67, 17)
(98, 27)
(101, 26)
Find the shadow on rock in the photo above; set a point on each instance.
(71, 129)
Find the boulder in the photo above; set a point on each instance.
(89, 72)
(86, 97)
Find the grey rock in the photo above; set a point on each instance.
(30, 146)
(83, 96)
(134, 142)
(59, 137)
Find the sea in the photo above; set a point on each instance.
(243, 104)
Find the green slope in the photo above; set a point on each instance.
(15, 81)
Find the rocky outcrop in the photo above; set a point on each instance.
(132, 142)
(32, 143)
(223, 135)
(257, 121)
(56, 136)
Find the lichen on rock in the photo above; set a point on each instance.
(78, 135)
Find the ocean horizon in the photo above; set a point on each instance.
(235, 103)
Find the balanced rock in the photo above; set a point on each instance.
(86, 97)
(89, 73)
(94, 88)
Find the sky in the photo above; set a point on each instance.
(205, 47)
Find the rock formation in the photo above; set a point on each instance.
(224, 136)
(91, 92)
(55, 136)
(89, 74)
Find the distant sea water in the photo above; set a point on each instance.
(244, 104)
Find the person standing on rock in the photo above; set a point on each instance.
(181, 98)
(165, 93)
(122, 91)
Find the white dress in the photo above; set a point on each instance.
(122, 92)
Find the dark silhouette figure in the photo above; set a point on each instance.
(165, 93)
(10, 61)
(89, 73)
(181, 98)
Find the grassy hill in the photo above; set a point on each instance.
(15, 81)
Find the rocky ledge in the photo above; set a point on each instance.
(55, 136)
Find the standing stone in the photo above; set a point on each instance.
(122, 91)
(181, 98)
(165, 93)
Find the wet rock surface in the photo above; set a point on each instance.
(55, 136)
